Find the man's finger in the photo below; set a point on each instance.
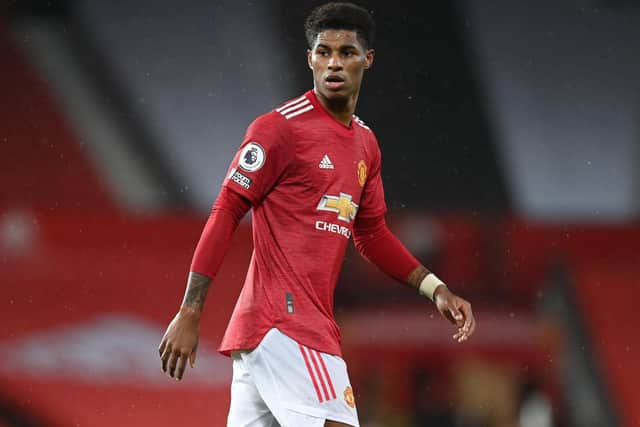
(458, 318)
(173, 362)
(165, 357)
(192, 357)
(163, 344)
(469, 321)
(182, 364)
(472, 328)
(468, 317)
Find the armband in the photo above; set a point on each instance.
(429, 284)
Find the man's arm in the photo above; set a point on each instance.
(180, 341)
(379, 245)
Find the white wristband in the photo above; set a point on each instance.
(429, 284)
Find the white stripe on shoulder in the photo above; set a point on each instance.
(359, 121)
(290, 103)
(298, 112)
(294, 107)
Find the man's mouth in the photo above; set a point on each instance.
(334, 81)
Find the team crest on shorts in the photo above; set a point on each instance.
(252, 157)
(362, 173)
(348, 397)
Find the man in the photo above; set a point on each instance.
(310, 170)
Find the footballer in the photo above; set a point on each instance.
(310, 171)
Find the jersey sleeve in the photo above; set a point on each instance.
(372, 202)
(226, 213)
(263, 157)
(380, 246)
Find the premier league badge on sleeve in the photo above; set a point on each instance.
(252, 157)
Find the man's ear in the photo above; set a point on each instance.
(370, 55)
(309, 58)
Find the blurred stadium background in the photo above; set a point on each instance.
(510, 137)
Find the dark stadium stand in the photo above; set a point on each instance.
(43, 163)
(68, 253)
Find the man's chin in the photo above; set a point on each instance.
(335, 94)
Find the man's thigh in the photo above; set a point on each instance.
(247, 408)
(299, 385)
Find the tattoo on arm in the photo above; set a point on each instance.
(197, 287)
(416, 276)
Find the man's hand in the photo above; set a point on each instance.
(180, 343)
(457, 311)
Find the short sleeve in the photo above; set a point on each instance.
(372, 202)
(261, 160)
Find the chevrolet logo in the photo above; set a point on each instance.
(342, 205)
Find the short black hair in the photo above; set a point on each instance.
(341, 16)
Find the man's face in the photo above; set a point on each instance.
(338, 61)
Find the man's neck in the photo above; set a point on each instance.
(341, 109)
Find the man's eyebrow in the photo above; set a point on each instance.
(341, 47)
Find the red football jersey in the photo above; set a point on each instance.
(308, 178)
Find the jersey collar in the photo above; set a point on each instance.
(341, 127)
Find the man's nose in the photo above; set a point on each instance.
(334, 62)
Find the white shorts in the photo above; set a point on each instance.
(283, 383)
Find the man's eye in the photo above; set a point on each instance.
(323, 53)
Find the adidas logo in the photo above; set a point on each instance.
(325, 163)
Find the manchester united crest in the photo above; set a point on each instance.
(348, 397)
(362, 173)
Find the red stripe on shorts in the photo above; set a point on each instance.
(326, 375)
(315, 364)
(311, 374)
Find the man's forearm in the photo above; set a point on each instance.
(381, 247)
(196, 293)
(425, 282)
(417, 276)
